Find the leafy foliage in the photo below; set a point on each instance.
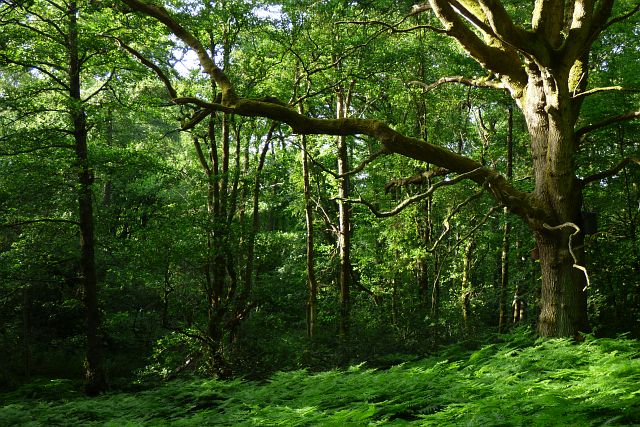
(515, 381)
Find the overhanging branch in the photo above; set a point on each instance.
(612, 171)
(631, 115)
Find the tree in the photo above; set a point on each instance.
(544, 68)
(47, 41)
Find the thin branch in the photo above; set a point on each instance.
(325, 217)
(612, 171)
(144, 61)
(480, 224)
(603, 89)
(353, 171)
(393, 28)
(623, 17)
(479, 83)
(411, 200)
(102, 86)
(580, 133)
(35, 221)
(31, 150)
(573, 255)
(453, 211)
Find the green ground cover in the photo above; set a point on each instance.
(519, 381)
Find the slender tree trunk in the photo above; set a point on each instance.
(26, 330)
(504, 276)
(344, 220)
(312, 284)
(518, 302)
(466, 283)
(95, 379)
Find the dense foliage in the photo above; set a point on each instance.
(517, 382)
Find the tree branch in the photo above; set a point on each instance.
(580, 133)
(35, 221)
(497, 59)
(479, 83)
(611, 171)
(162, 15)
(144, 61)
(623, 16)
(603, 89)
(411, 200)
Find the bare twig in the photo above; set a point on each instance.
(603, 89)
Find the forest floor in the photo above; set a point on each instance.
(517, 382)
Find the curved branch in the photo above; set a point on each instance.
(144, 61)
(573, 255)
(631, 115)
(611, 171)
(162, 15)
(411, 200)
(623, 17)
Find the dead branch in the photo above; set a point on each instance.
(573, 255)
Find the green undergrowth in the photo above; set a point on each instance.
(517, 382)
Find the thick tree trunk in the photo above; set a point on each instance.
(95, 379)
(550, 119)
(563, 298)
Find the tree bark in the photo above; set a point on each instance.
(95, 379)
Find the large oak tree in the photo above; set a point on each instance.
(543, 66)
